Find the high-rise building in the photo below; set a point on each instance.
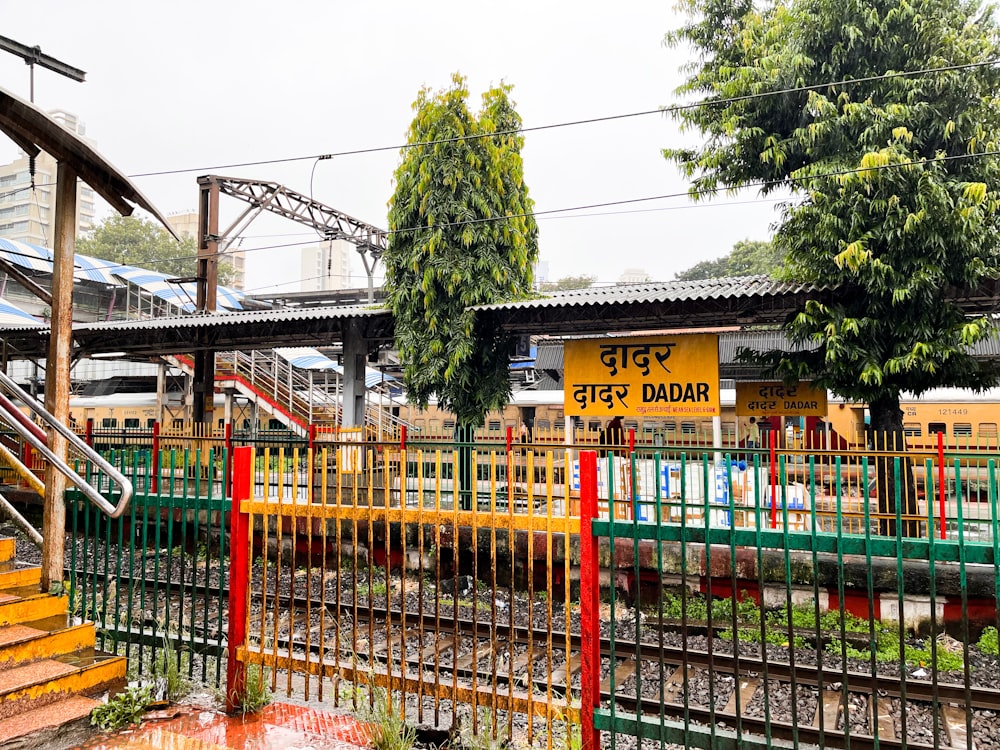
(185, 223)
(327, 266)
(26, 213)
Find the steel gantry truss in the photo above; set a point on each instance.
(263, 195)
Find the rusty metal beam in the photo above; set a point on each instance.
(26, 281)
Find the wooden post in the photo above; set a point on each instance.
(57, 373)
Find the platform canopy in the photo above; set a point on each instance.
(34, 131)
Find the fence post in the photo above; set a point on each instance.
(402, 438)
(590, 626)
(156, 455)
(229, 458)
(88, 435)
(239, 577)
(774, 478)
(941, 493)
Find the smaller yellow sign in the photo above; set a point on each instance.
(772, 398)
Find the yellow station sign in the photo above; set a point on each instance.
(646, 376)
(769, 398)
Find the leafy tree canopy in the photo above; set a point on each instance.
(893, 181)
(139, 242)
(461, 233)
(567, 283)
(747, 258)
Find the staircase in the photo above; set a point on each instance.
(288, 394)
(48, 665)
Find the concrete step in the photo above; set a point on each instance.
(34, 728)
(84, 672)
(26, 642)
(27, 603)
(15, 574)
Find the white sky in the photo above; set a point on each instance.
(199, 85)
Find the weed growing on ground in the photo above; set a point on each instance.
(123, 709)
(167, 671)
(256, 693)
(988, 642)
(481, 737)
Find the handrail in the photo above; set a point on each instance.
(88, 490)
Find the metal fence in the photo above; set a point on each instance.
(154, 582)
(829, 620)
(698, 597)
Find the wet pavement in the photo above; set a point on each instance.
(279, 726)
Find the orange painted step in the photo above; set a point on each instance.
(8, 548)
(46, 717)
(14, 574)
(40, 639)
(38, 683)
(27, 603)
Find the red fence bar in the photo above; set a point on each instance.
(239, 577)
(510, 437)
(774, 478)
(631, 440)
(156, 451)
(402, 437)
(88, 436)
(941, 493)
(590, 626)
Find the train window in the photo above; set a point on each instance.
(449, 424)
(935, 427)
(222, 423)
(131, 423)
(109, 422)
(631, 425)
(688, 428)
(962, 429)
(594, 426)
(988, 429)
(729, 428)
(275, 424)
(651, 426)
(420, 423)
(434, 425)
(494, 425)
(670, 426)
(912, 429)
(543, 424)
(150, 423)
(706, 427)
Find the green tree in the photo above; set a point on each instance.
(139, 242)
(568, 283)
(747, 258)
(461, 234)
(892, 179)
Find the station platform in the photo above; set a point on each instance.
(276, 727)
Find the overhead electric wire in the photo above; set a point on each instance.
(585, 121)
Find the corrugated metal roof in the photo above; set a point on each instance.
(662, 291)
(236, 318)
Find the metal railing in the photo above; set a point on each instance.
(33, 435)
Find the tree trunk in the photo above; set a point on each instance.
(896, 487)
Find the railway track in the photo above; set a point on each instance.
(669, 675)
